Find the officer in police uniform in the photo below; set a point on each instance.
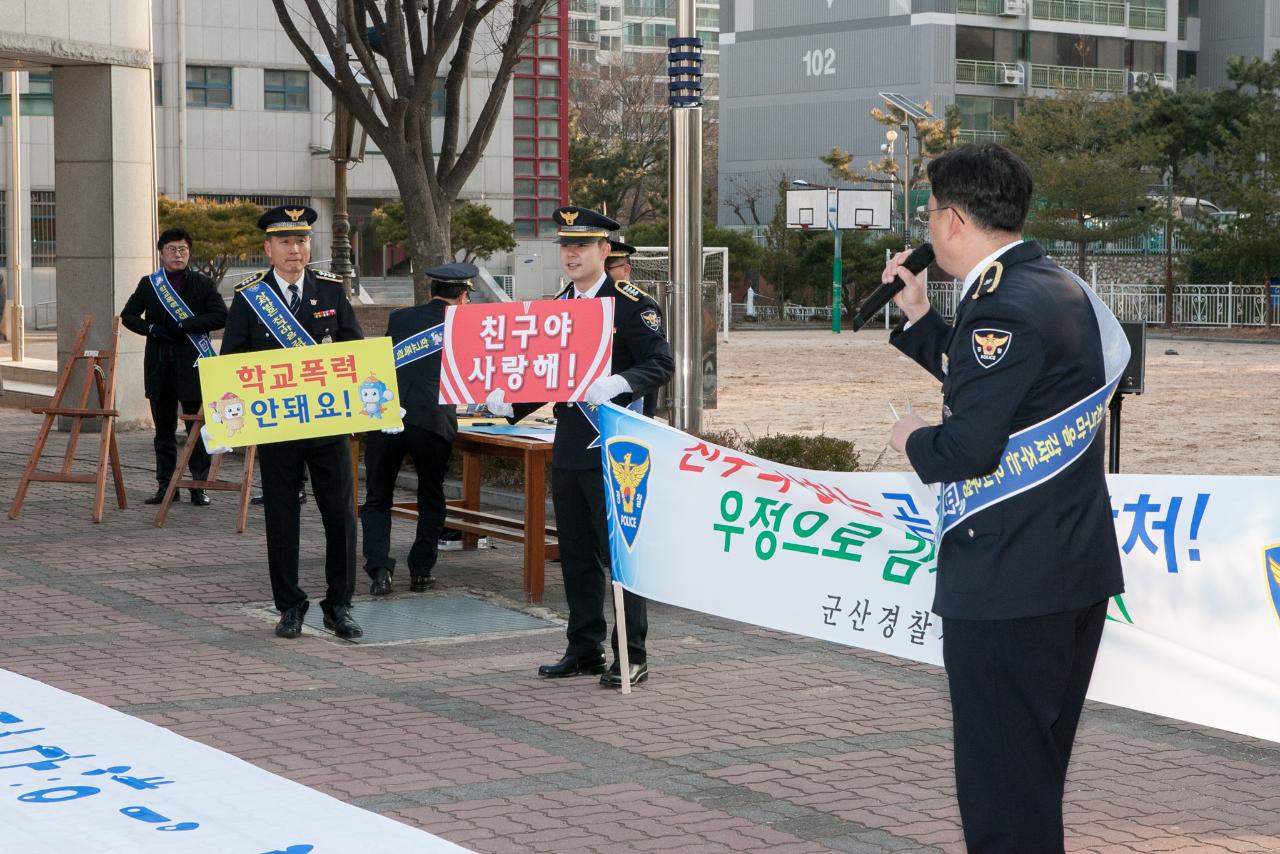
(318, 302)
(427, 436)
(1022, 585)
(618, 266)
(641, 362)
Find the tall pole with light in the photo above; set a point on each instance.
(890, 151)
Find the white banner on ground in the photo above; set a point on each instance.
(849, 558)
(79, 776)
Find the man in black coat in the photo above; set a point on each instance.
(318, 302)
(427, 436)
(170, 377)
(641, 363)
(1022, 583)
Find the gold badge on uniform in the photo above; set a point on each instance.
(295, 214)
(651, 319)
(990, 345)
(569, 217)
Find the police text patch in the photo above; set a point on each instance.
(990, 345)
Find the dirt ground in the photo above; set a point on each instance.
(1211, 407)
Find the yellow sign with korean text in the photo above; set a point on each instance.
(300, 393)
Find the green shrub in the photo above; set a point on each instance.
(820, 453)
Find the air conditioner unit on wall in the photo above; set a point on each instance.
(1013, 8)
(1011, 75)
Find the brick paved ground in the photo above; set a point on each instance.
(743, 740)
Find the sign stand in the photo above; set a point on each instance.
(108, 452)
(212, 483)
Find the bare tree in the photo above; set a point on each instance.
(401, 47)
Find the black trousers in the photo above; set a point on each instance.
(383, 454)
(329, 461)
(1017, 687)
(578, 497)
(164, 412)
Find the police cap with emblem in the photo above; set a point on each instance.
(287, 220)
(578, 226)
(618, 249)
(454, 277)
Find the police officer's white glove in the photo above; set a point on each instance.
(391, 431)
(606, 389)
(497, 404)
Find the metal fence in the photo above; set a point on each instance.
(1226, 305)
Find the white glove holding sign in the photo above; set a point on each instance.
(391, 431)
(497, 404)
(606, 389)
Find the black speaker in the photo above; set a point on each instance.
(1131, 380)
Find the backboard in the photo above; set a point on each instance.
(862, 209)
(807, 209)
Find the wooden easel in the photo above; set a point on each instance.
(105, 381)
(213, 484)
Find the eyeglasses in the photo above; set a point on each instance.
(923, 216)
(176, 250)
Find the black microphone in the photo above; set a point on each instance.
(919, 259)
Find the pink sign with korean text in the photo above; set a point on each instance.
(537, 352)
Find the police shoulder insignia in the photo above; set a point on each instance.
(326, 276)
(989, 280)
(250, 280)
(990, 345)
(651, 319)
(629, 291)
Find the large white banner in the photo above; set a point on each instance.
(850, 558)
(79, 776)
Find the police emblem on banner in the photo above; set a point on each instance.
(990, 345)
(628, 483)
(1271, 565)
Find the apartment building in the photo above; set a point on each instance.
(801, 77)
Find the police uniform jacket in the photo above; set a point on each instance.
(419, 380)
(325, 313)
(144, 308)
(1051, 548)
(640, 354)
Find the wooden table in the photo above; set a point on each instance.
(466, 516)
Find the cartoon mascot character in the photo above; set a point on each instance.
(229, 411)
(373, 395)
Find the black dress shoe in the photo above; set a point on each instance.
(290, 625)
(200, 498)
(157, 498)
(613, 676)
(419, 583)
(258, 500)
(381, 585)
(573, 665)
(338, 620)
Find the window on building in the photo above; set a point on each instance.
(39, 98)
(582, 30)
(286, 90)
(649, 34)
(157, 75)
(1186, 64)
(1076, 51)
(611, 13)
(613, 44)
(651, 8)
(209, 86)
(44, 228)
(1145, 56)
(4, 228)
(986, 45)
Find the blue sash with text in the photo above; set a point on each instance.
(420, 345)
(1044, 450)
(179, 311)
(272, 311)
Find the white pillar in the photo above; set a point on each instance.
(104, 166)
